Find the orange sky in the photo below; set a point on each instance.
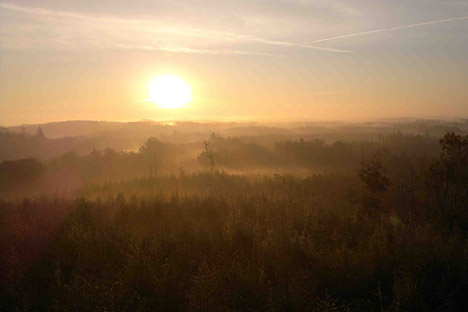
(287, 59)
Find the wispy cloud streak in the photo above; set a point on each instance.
(362, 89)
(300, 45)
(164, 28)
(180, 49)
(369, 32)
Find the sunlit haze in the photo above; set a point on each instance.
(234, 155)
(249, 60)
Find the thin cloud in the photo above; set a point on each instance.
(41, 11)
(341, 91)
(291, 44)
(213, 52)
(369, 32)
(141, 23)
(153, 26)
(182, 49)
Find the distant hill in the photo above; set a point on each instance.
(83, 136)
(70, 128)
(196, 128)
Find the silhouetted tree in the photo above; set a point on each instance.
(373, 177)
(153, 150)
(40, 134)
(209, 154)
(449, 176)
(20, 173)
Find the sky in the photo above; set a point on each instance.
(244, 59)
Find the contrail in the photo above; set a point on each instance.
(293, 44)
(182, 49)
(362, 33)
(164, 29)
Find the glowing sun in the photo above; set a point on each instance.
(169, 91)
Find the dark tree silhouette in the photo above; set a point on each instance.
(40, 134)
(17, 173)
(208, 152)
(154, 151)
(449, 177)
(372, 175)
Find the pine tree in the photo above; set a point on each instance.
(40, 133)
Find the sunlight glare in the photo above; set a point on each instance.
(169, 91)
